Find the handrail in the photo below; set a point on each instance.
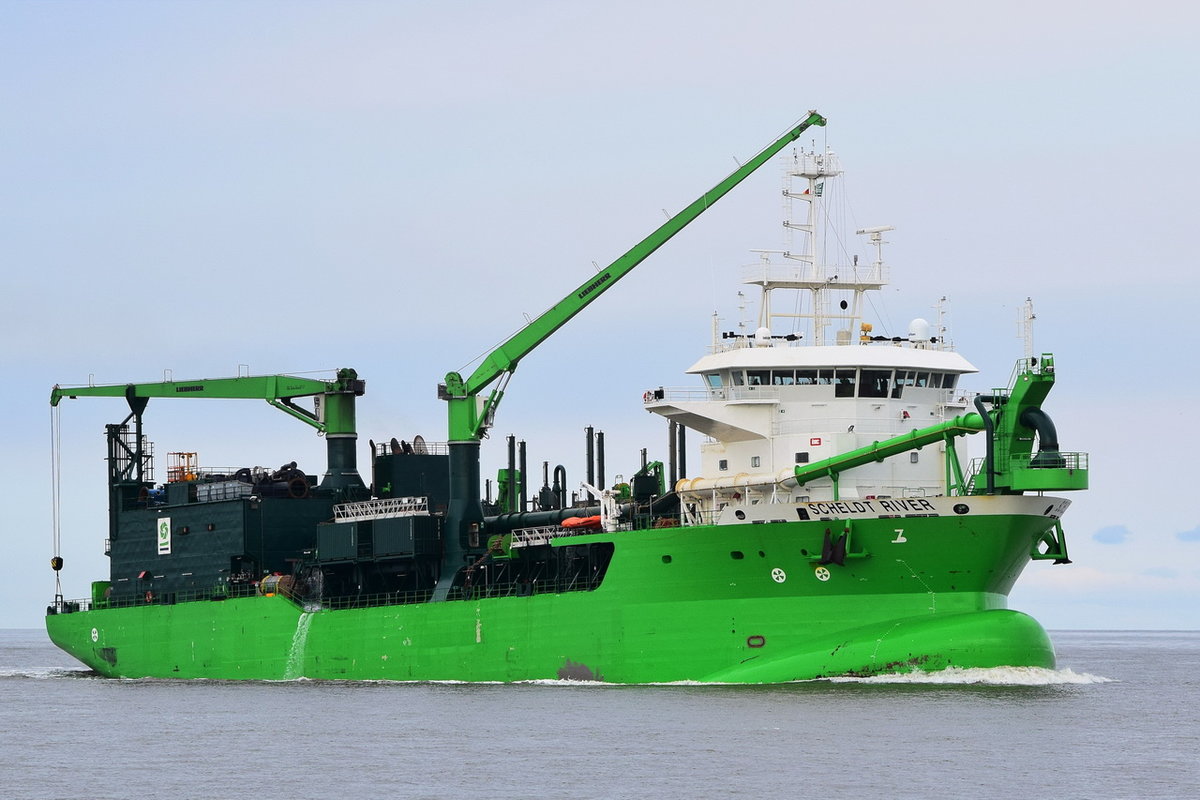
(382, 508)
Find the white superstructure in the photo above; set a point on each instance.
(795, 392)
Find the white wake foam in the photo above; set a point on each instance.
(993, 676)
(47, 673)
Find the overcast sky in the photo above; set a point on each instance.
(190, 187)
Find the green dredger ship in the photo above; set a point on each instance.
(834, 528)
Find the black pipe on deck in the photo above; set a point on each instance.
(521, 467)
(1047, 454)
(502, 523)
(682, 453)
(989, 428)
(599, 461)
(672, 451)
(560, 485)
(510, 494)
(591, 458)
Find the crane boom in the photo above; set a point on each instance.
(470, 415)
(469, 419)
(336, 422)
(277, 390)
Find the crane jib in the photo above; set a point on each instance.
(466, 423)
(594, 285)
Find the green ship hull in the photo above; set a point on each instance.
(833, 527)
(738, 604)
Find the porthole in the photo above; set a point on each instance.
(736, 555)
(961, 508)
(666, 559)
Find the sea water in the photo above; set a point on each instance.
(1120, 718)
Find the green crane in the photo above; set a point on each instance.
(470, 414)
(335, 420)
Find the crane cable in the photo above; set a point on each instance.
(56, 561)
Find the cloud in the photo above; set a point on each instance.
(1113, 534)
(1189, 536)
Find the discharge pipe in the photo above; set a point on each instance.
(989, 431)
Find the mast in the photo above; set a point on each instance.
(809, 181)
(1025, 318)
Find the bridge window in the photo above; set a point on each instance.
(739, 377)
(843, 382)
(758, 377)
(903, 379)
(922, 381)
(783, 377)
(806, 377)
(713, 379)
(875, 383)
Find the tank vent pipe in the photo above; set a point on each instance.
(522, 470)
(600, 484)
(591, 458)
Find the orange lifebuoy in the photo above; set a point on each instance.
(149, 597)
(646, 397)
